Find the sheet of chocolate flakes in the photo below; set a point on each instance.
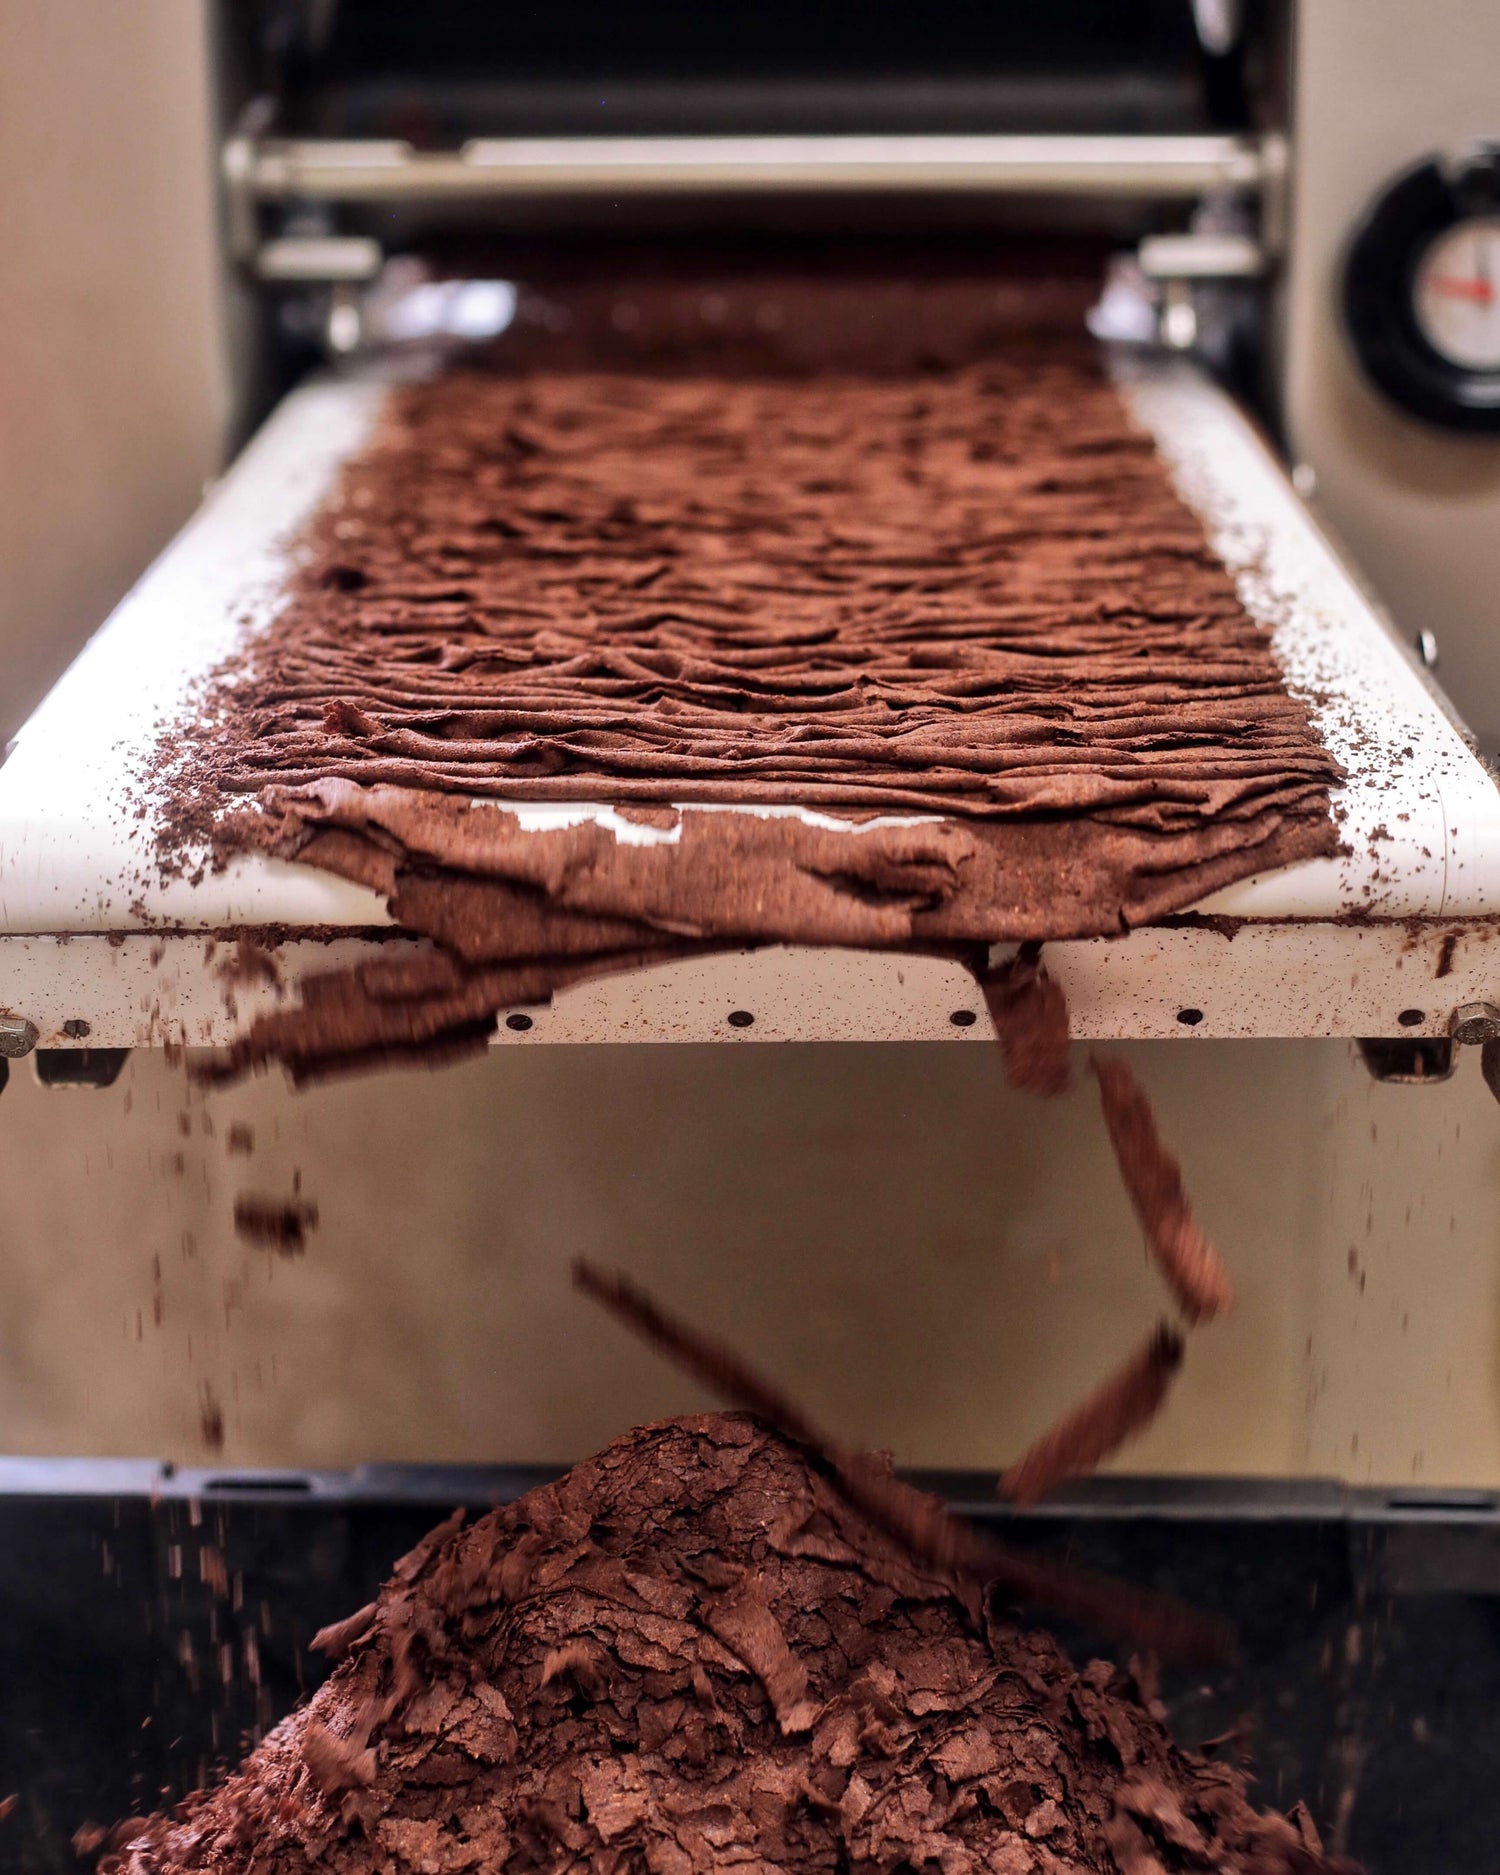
(693, 1654)
(918, 571)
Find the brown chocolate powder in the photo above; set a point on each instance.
(693, 1654)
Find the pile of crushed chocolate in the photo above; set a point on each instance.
(693, 1653)
(949, 598)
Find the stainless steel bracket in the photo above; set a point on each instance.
(260, 170)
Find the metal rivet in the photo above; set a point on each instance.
(1472, 1023)
(1412, 1018)
(518, 1022)
(76, 1029)
(1190, 1018)
(740, 1018)
(963, 1018)
(17, 1036)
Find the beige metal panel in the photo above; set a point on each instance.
(1230, 980)
(113, 389)
(1379, 85)
(933, 1262)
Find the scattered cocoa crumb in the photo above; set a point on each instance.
(211, 1419)
(212, 1570)
(276, 1224)
(250, 962)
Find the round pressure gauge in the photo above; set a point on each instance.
(1422, 291)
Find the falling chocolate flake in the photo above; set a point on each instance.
(211, 1418)
(275, 1223)
(1030, 1013)
(240, 1138)
(1154, 1180)
(336, 1764)
(334, 1641)
(550, 1686)
(1123, 1406)
(935, 1540)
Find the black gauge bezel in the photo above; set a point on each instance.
(1380, 281)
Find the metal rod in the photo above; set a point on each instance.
(494, 168)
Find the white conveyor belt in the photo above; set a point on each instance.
(1388, 939)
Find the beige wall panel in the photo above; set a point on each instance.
(112, 388)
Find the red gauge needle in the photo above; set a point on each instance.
(1482, 292)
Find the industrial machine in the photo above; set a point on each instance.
(1303, 308)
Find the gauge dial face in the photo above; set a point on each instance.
(1422, 290)
(1456, 294)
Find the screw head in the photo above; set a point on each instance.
(17, 1036)
(1475, 1022)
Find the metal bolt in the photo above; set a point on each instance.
(1475, 1022)
(17, 1036)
